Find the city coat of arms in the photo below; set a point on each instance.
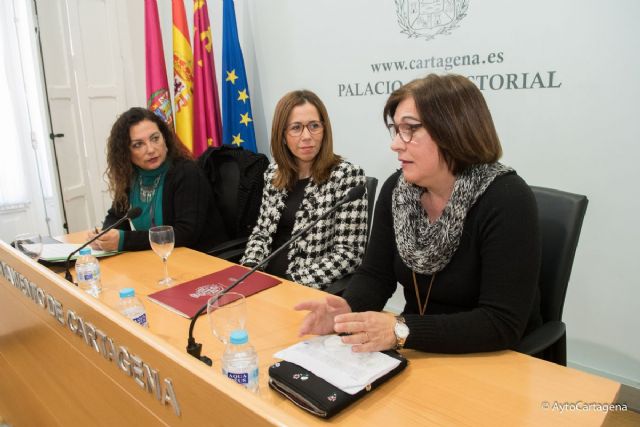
(429, 18)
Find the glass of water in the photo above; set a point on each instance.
(162, 240)
(227, 313)
(29, 244)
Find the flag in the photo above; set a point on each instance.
(182, 75)
(206, 103)
(237, 119)
(158, 96)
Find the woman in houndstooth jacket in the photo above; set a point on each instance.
(306, 180)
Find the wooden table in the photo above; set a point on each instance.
(505, 388)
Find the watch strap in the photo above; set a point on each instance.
(400, 341)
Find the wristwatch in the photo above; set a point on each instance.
(402, 332)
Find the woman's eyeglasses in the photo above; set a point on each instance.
(296, 129)
(405, 130)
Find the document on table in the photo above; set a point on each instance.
(60, 251)
(335, 362)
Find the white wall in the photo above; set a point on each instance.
(578, 136)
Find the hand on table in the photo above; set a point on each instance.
(320, 319)
(368, 331)
(108, 242)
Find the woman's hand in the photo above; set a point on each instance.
(108, 242)
(320, 319)
(368, 331)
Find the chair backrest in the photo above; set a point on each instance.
(236, 176)
(560, 215)
(372, 185)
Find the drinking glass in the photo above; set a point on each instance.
(29, 244)
(162, 240)
(227, 313)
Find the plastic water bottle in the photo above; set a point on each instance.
(240, 360)
(131, 307)
(88, 272)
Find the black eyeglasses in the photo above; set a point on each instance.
(405, 130)
(296, 129)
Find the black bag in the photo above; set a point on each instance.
(314, 394)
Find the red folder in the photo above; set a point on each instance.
(187, 298)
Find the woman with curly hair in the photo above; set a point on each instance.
(306, 179)
(148, 167)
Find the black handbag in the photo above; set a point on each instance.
(313, 394)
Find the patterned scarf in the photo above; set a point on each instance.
(427, 248)
(151, 205)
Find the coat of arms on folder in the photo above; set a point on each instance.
(187, 298)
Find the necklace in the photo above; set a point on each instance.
(421, 307)
(148, 191)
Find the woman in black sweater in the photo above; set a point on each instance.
(457, 229)
(148, 167)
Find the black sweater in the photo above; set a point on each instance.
(187, 205)
(486, 297)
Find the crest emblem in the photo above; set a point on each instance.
(207, 290)
(160, 103)
(429, 18)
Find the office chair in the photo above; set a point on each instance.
(560, 216)
(372, 185)
(236, 176)
(338, 287)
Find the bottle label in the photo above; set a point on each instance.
(243, 378)
(88, 273)
(141, 319)
(239, 377)
(86, 276)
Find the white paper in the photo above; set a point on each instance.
(56, 251)
(333, 361)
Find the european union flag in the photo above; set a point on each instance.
(237, 119)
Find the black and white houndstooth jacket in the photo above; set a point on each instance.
(332, 248)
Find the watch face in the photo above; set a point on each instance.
(401, 330)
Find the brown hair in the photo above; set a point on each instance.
(287, 173)
(120, 170)
(454, 112)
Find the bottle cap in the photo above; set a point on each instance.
(239, 336)
(127, 292)
(85, 251)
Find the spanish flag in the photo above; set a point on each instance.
(182, 75)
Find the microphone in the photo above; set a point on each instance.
(194, 348)
(131, 214)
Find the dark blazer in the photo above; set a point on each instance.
(187, 205)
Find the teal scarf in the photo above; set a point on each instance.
(146, 193)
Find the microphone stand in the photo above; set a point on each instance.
(133, 213)
(194, 348)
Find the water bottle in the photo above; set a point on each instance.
(131, 307)
(88, 272)
(240, 360)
